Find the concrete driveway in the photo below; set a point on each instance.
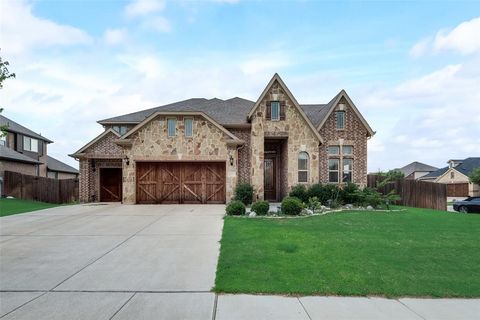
(110, 261)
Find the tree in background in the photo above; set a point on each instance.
(4, 75)
(475, 176)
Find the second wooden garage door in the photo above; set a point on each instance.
(180, 182)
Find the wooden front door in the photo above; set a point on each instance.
(110, 184)
(181, 182)
(269, 178)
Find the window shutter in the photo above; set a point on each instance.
(268, 112)
(19, 143)
(282, 110)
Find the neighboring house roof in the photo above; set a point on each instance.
(12, 155)
(435, 174)
(416, 167)
(468, 165)
(15, 127)
(57, 165)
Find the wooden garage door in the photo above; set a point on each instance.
(180, 182)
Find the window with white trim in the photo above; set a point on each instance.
(275, 110)
(347, 150)
(333, 166)
(333, 150)
(347, 170)
(303, 166)
(340, 119)
(172, 127)
(120, 129)
(188, 123)
(30, 144)
(3, 139)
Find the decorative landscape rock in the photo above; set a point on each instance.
(369, 208)
(252, 215)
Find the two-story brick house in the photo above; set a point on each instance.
(25, 151)
(197, 150)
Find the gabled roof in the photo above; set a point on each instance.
(435, 174)
(468, 165)
(416, 167)
(191, 113)
(15, 127)
(57, 165)
(231, 111)
(277, 78)
(12, 155)
(333, 103)
(100, 136)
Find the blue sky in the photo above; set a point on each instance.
(412, 68)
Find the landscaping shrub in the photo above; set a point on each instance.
(244, 193)
(236, 208)
(314, 204)
(299, 191)
(292, 206)
(260, 207)
(349, 193)
(324, 193)
(369, 197)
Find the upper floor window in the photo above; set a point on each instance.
(188, 127)
(303, 167)
(30, 144)
(120, 129)
(3, 139)
(347, 150)
(452, 175)
(275, 110)
(172, 127)
(340, 119)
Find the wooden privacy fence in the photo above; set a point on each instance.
(43, 189)
(414, 193)
(457, 189)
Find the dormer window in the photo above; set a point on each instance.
(275, 110)
(340, 116)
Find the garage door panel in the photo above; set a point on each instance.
(181, 182)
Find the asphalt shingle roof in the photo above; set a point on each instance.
(15, 127)
(468, 165)
(225, 112)
(10, 154)
(416, 167)
(57, 165)
(435, 174)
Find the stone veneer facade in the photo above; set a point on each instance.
(300, 137)
(151, 143)
(354, 134)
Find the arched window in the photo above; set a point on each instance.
(303, 167)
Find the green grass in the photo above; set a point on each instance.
(416, 252)
(14, 206)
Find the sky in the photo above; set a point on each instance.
(411, 67)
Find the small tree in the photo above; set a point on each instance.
(4, 75)
(475, 176)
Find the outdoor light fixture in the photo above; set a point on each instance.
(93, 165)
(231, 160)
(127, 161)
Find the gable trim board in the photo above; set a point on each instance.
(448, 172)
(92, 142)
(333, 105)
(277, 78)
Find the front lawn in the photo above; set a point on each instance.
(417, 252)
(14, 206)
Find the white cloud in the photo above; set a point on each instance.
(465, 39)
(264, 64)
(21, 31)
(144, 7)
(159, 24)
(115, 36)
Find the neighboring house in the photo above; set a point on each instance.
(416, 170)
(457, 171)
(197, 150)
(25, 151)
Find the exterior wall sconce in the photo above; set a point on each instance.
(231, 160)
(127, 161)
(93, 165)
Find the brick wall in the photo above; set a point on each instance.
(20, 167)
(354, 134)
(244, 155)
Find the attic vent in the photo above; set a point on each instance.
(341, 106)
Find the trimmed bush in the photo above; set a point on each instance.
(292, 206)
(299, 191)
(244, 193)
(324, 192)
(236, 208)
(349, 193)
(314, 204)
(260, 207)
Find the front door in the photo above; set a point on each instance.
(270, 183)
(110, 184)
